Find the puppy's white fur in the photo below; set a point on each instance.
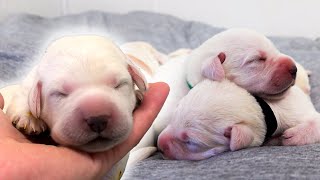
(78, 78)
(8, 93)
(252, 62)
(219, 116)
(176, 75)
(206, 123)
(302, 79)
(173, 73)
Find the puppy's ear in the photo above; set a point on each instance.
(34, 99)
(137, 76)
(139, 79)
(212, 68)
(240, 136)
(140, 63)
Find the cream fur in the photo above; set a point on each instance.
(145, 56)
(202, 123)
(252, 62)
(77, 78)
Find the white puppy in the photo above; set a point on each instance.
(252, 62)
(220, 116)
(82, 90)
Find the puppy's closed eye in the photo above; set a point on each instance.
(189, 143)
(121, 84)
(192, 146)
(255, 59)
(58, 94)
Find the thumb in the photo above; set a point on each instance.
(1, 101)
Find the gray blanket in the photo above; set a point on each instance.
(23, 37)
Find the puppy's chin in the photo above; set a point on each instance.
(278, 96)
(94, 144)
(98, 145)
(275, 96)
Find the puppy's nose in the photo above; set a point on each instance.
(163, 142)
(293, 71)
(98, 123)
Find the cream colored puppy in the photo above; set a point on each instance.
(252, 62)
(215, 117)
(82, 90)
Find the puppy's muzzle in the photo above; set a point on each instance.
(98, 123)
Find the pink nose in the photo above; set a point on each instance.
(164, 142)
(96, 112)
(287, 64)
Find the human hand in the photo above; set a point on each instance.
(19, 158)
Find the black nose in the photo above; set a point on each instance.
(98, 123)
(293, 72)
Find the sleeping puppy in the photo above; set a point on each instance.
(82, 90)
(252, 62)
(215, 117)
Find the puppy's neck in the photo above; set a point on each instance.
(189, 84)
(269, 118)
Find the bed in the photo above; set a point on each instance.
(24, 36)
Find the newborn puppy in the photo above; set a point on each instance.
(252, 62)
(220, 116)
(82, 90)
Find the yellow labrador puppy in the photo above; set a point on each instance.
(83, 90)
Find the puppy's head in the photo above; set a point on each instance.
(226, 117)
(84, 91)
(252, 62)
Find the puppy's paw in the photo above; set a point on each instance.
(28, 124)
(302, 134)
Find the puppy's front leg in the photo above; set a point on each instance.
(302, 134)
(21, 116)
